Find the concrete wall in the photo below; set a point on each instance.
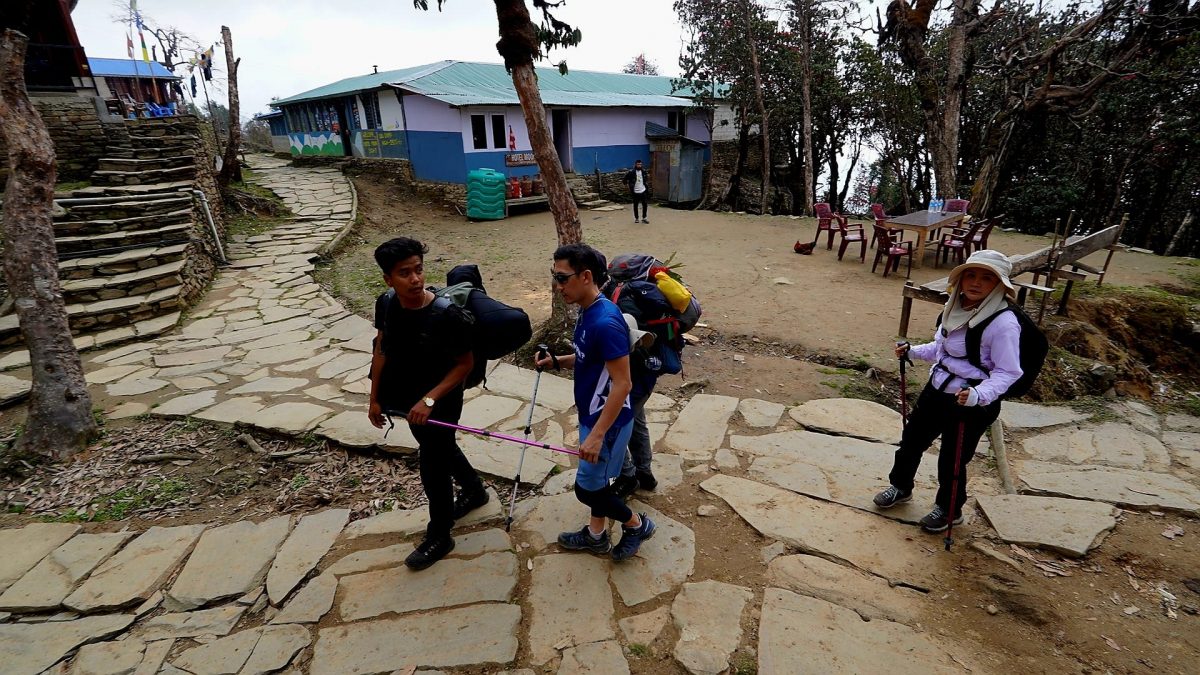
(390, 113)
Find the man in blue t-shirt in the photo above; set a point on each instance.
(602, 386)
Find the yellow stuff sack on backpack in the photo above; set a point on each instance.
(677, 294)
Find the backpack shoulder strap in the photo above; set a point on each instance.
(975, 337)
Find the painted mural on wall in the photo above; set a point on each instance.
(381, 144)
(317, 143)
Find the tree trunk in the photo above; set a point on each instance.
(518, 43)
(945, 147)
(1183, 227)
(834, 173)
(849, 175)
(59, 422)
(733, 196)
(764, 134)
(230, 168)
(806, 101)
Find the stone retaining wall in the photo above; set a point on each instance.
(201, 267)
(79, 136)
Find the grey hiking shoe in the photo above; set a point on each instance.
(936, 520)
(632, 538)
(583, 540)
(891, 497)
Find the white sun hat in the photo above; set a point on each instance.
(637, 336)
(987, 259)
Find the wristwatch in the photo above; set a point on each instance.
(428, 401)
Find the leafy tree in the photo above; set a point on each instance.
(640, 65)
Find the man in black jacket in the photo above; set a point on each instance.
(639, 188)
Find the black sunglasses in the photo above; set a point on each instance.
(561, 278)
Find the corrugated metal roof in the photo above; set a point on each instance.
(462, 83)
(654, 131)
(128, 68)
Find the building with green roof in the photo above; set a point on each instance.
(450, 117)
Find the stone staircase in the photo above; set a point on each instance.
(583, 189)
(129, 244)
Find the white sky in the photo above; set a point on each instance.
(287, 48)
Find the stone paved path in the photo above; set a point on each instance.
(318, 594)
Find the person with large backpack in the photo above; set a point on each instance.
(422, 355)
(985, 349)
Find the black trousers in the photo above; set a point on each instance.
(442, 464)
(938, 414)
(644, 200)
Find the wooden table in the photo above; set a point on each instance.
(924, 222)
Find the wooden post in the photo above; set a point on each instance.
(1001, 455)
(905, 309)
(1112, 249)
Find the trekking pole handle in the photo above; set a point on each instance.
(543, 349)
(905, 358)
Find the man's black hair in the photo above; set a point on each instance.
(395, 250)
(583, 257)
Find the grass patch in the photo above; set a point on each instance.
(639, 650)
(836, 371)
(71, 185)
(744, 664)
(125, 502)
(1096, 408)
(354, 278)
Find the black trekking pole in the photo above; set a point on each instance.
(962, 427)
(537, 379)
(904, 383)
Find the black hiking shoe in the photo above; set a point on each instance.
(429, 551)
(624, 486)
(632, 538)
(646, 480)
(583, 540)
(645, 221)
(469, 500)
(936, 520)
(891, 497)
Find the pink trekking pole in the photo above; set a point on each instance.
(479, 432)
(962, 427)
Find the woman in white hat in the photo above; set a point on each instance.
(961, 400)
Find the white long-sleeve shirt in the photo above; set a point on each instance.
(999, 352)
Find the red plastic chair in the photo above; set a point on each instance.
(825, 218)
(881, 220)
(981, 237)
(893, 249)
(959, 240)
(850, 234)
(956, 205)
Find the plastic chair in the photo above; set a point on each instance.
(850, 234)
(981, 237)
(894, 250)
(956, 205)
(825, 221)
(881, 220)
(959, 240)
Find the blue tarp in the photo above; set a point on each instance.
(126, 68)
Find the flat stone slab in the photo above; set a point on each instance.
(273, 385)
(186, 404)
(13, 389)
(483, 411)
(229, 561)
(500, 458)
(663, 562)
(869, 596)
(490, 577)
(221, 656)
(407, 522)
(106, 658)
(291, 417)
(277, 646)
(192, 357)
(570, 604)
(1123, 487)
(801, 635)
(479, 634)
(305, 547)
(594, 658)
(24, 547)
(311, 603)
(1184, 446)
(836, 468)
(1017, 415)
(549, 516)
(34, 647)
(1070, 526)
(708, 615)
(353, 430)
(138, 570)
(234, 410)
(51, 580)
(1180, 422)
(700, 428)
(216, 621)
(850, 417)
(554, 392)
(877, 545)
(758, 413)
(644, 629)
(135, 387)
(1108, 444)
(1141, 416)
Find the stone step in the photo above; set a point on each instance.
(87, 228)
(131, 191)
(126, 152)
(134, 208)
(120, 262)
(127, 164)
(141, 282)
(142, 141)
(581, 197)
(595, 203)
(105, 314)
(142, 177)
(146, 237)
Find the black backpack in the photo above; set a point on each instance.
(1033, 345)
(497, 329)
